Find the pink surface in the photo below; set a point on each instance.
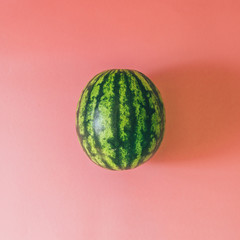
(49, 189)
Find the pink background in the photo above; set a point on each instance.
(189, 190)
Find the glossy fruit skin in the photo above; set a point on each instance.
(120, 119)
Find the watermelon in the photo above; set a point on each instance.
(120, 119)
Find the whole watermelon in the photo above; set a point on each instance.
(120, 119)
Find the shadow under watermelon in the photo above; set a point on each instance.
(202, 105)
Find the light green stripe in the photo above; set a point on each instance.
(124, 109)
(152, 144)
(92, 105)
(105, 133)
(82, 105)
(96, 159)
(140, 112)
(95, 79)
(87, 143)
(147, 157)
(150, 85)
(153, 102)
(90, 117)
(156, 122)
(124, 157)
(124, 121)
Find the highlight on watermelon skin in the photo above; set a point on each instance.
(120, 119)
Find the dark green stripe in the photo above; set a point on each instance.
(116, 119)
(132, 137)
(154, 88)
(124, 122)
(140, 112)
(86, 133)
(85, 109)
(160, 102)
(149, 112)
(77, 118)
(87, 88)
(90, 117)
(106, 135)
(83, 137)
(161, 106)
(161, 111)
(96, 138)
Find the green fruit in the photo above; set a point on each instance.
(120, 119)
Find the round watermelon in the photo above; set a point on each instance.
(120, 119)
